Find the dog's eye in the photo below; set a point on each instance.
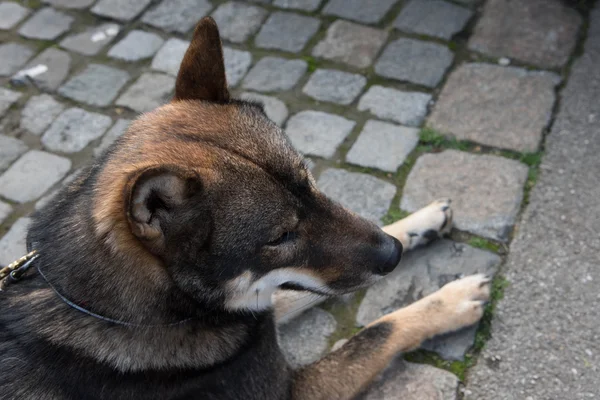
(284, 238)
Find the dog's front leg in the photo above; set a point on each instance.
(343, 374)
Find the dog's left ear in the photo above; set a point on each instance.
(202, 71)
(155, 202)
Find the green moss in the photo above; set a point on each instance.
(458, 368)
(393, 215)
(345, 315)
(312, 63)
(431, 137)
(484, 332)
(531, 159)
(484, 244)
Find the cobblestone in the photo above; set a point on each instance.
(148, 92)
(10, 149)
(7, 99)
(368, 12)
(274, 74)
(423, 272)
(414, 61)
(306, 5)
(136, 46)
(5, 210)
(117, 130)
(433, 18)
(11, 14)
(13, 56)
(383, 145)
(334, 86)
(305, 339)
(121, 10)
(408, 108)
(169, 56)
(177, 15)
(46, 24)
(350, 188)
(486, 190)
(350, 43)
(238, 21)
(496, 106)
(275, 109)
(55, 66)
(74, 129)
(317, 133)
(237, 63)
(287, 31)
(48, 197)
(12, 245)
(39, 169)
(92, 40)
(74, 4)
(97, 85)
(540, 32)
(39, 112)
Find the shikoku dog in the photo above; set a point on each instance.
(157, 266)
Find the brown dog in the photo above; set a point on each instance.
(158, 264)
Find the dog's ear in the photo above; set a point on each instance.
(154, 203)
(202, 71)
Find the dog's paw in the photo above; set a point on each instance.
(429, 223)
(459, 304)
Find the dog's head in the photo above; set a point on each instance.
(212, 191)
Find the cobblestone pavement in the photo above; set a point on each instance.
(395, 102)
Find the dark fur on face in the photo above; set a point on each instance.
(197, 214)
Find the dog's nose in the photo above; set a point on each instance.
(391, 253)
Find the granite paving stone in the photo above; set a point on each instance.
(73, 4)
(237, 63)
(436, 18)
(12, 244)
(136, 46)
(10, 149)
(13, 56)
(423, 272)
(117, 130)
(368, 12)
(287, 31)
(5, 210)
(334, 86)
(148, 92)
(39, 171)
(486, 190)
(46, 71)
(366, 195)
(92, 40)
(410, 381)
(350, 43)
(74, 129)
(121, 10)
(383, 145)
(169, 56)
(97, 85)
(539, 32)
(177, 15)
(414, 61)
(318, 133)
(46, 24)
(274, 74)
(407, 108)
(238, 21)
(11, 14)
(7, 99)
(305, 5)
(305, 339)
(39, 112)
(497, 106)
(275, 109)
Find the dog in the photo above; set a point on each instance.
(157, 266)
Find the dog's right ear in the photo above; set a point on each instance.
(202, 71)
(154, 203)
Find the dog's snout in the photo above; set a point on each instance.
(390, 255)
